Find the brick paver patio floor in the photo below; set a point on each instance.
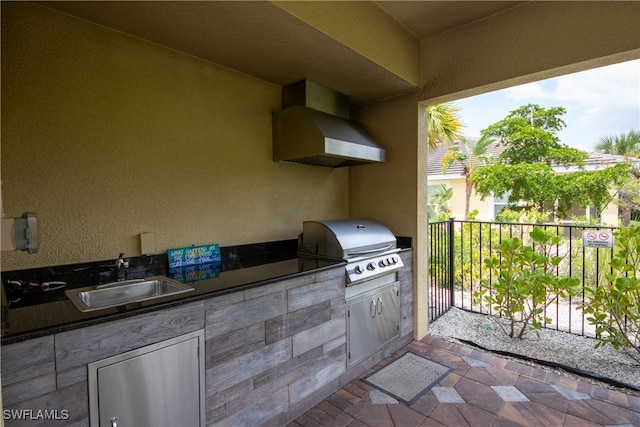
(481, 390)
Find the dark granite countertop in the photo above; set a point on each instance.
(32, 313)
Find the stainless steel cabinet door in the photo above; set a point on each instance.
(154, 386)
(372, 321)
(388, 314)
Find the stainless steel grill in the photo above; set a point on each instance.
(368, 246)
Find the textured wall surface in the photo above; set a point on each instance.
(388, 191)
(395, 192)
(106, 136)
(536, 41)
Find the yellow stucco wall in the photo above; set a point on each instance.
(106, 136)
(393, 191)
(457, 202)
(609, 215)
(389, 190)
(538, 40)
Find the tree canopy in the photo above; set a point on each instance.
(525, 169)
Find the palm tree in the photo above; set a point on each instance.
(444, 125)
(471, 157)
(439, 203)
(624, 145)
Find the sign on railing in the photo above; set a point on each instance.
(597, 239)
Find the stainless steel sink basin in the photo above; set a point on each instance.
(125, 292)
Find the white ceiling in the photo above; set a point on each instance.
(262, 40)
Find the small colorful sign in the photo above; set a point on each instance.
(194, 273)
(597, 239)
(194, 255)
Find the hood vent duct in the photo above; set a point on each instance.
(314, 129)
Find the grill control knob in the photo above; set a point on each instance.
(358, 269)
(382, 263)
(394, 260)
(371, 266)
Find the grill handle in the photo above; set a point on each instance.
(370, 251)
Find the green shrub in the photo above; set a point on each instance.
(508, 215)
(523, 283)
(614, 306)
(528, 215)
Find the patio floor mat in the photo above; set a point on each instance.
(408, 377)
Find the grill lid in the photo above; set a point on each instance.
(344, 239)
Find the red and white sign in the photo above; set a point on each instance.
(597, 239)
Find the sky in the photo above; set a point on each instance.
(600, 102)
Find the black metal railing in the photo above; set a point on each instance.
(458, 249)
(441, 268)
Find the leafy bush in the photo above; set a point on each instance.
(439, 204)
(520, 215)
(523, 283)
(584, 220)
(508, 215)
(614, 306)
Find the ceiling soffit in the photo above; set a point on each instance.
(369, 49)
(429, 18)
(365, 28)
(263, 40)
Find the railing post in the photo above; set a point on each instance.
(451, 269)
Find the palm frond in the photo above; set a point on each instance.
(444, 125)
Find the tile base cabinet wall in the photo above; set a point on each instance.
(271, 353)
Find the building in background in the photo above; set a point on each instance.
(488, 208)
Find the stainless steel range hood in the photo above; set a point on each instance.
(313, 128)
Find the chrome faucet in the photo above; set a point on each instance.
(121, 267)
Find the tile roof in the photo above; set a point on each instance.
(434, 160)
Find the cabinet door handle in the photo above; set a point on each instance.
(373, 308)
(114, 422)
(379, 306)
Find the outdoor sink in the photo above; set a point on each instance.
(119, 293)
